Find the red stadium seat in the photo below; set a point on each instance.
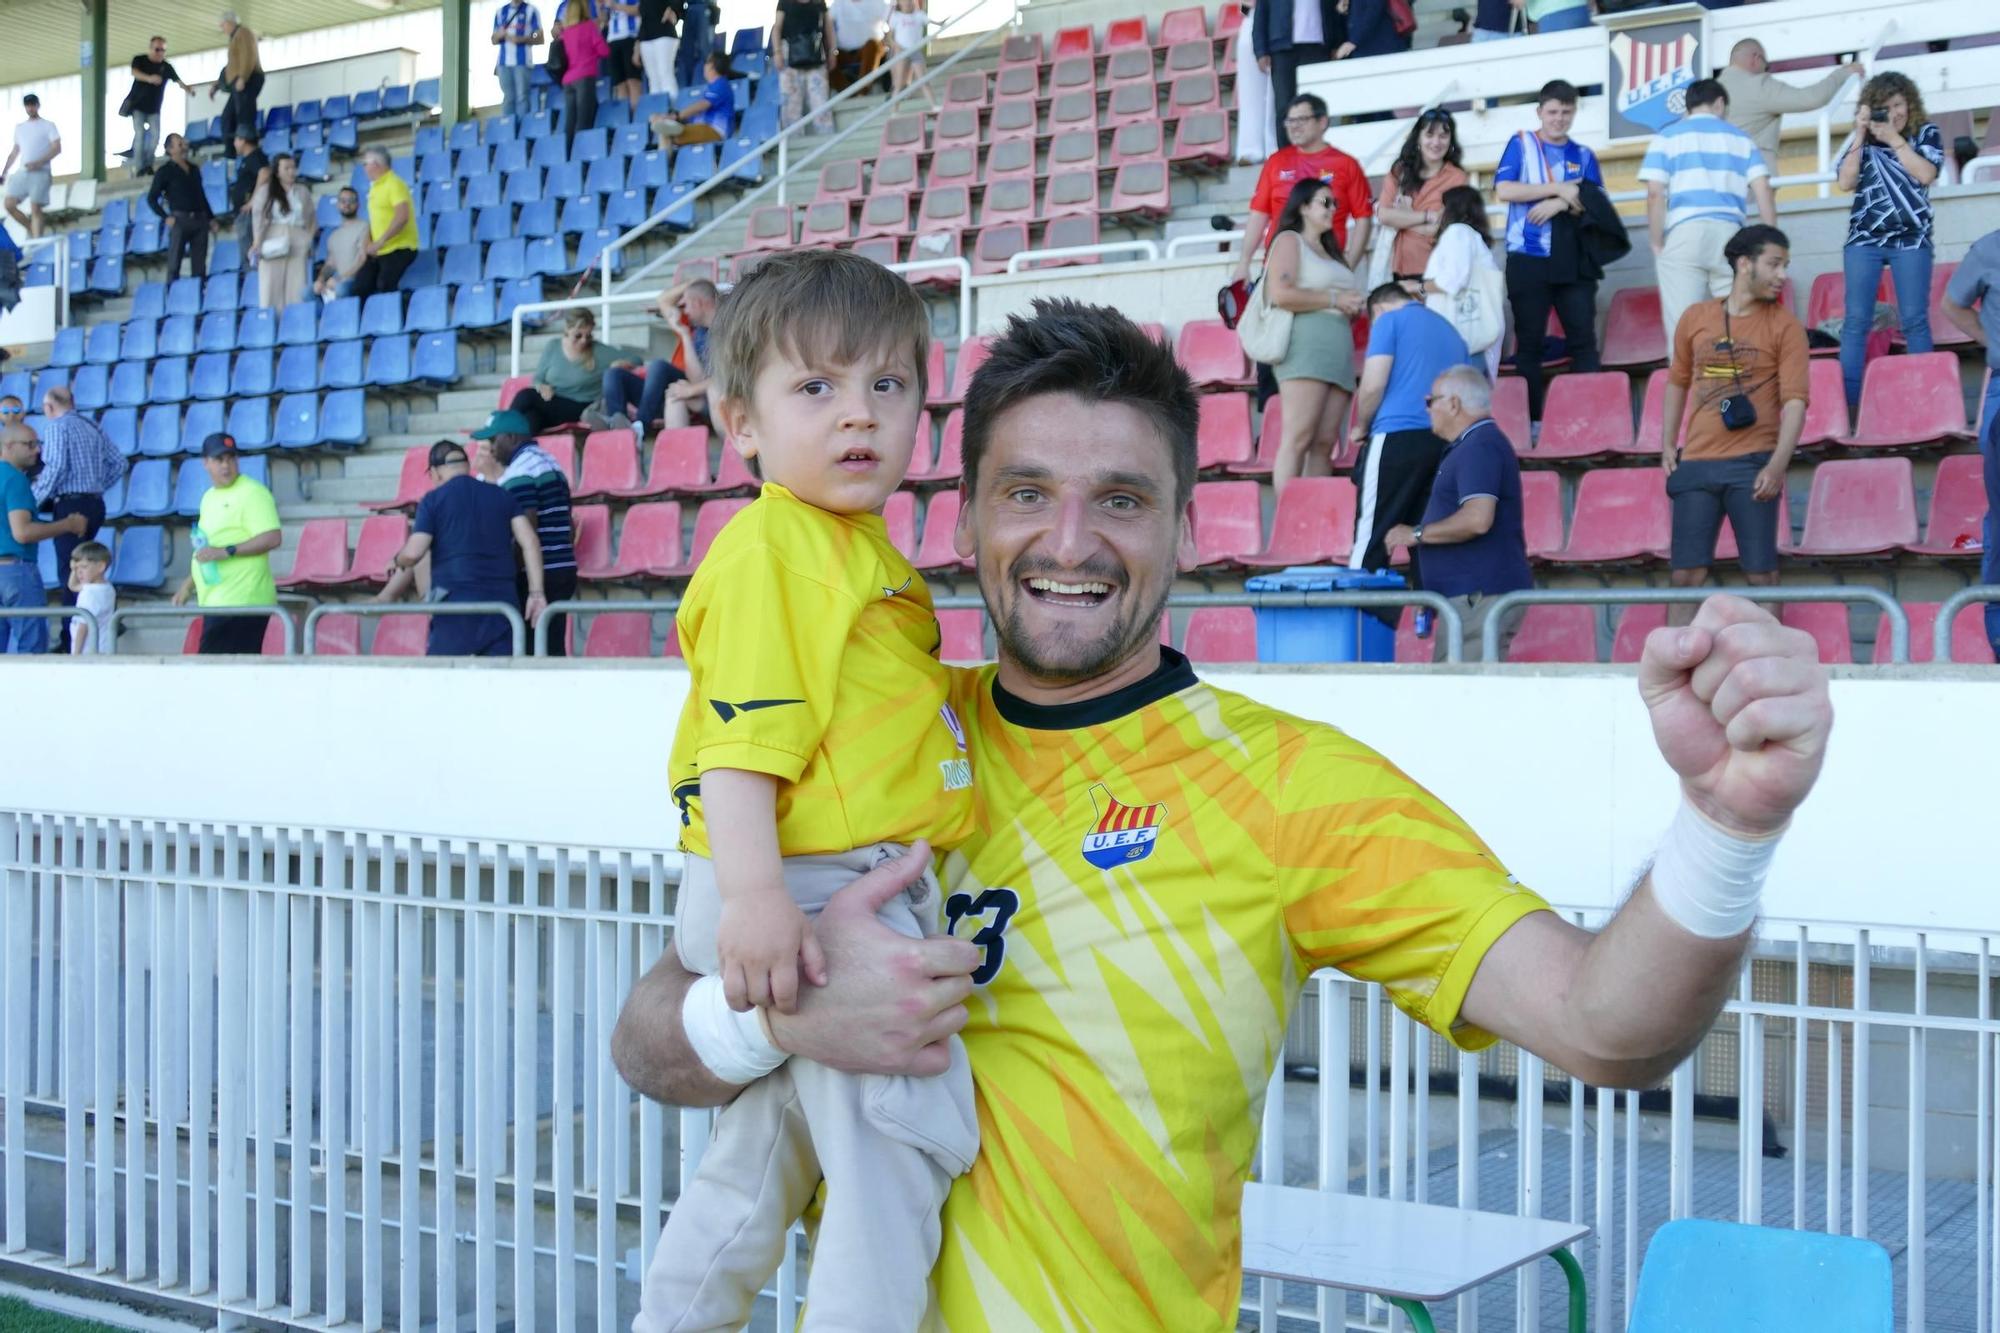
(1137, 140)
(1130, 68)
(885, 215)
(1586, 415)
(1270, 434)
(1621, 515)
(1183, 25)
(1125, 32)
(1079, 41)
(894, 173)
(959, 128)
(884, 250)
(1022, 49)
(1826, 405)
(770, 228)
(618, 634)
(413, 483)
(377, 543)
(401, 636)
(996, 244)
(1633, 332)
(1073, 150)
(903, 134)
(1071, 192)
(1067, 232)
(1542, 513)
(946, 206)
(937, 384)
(1221, 634)
(733, 475)
(1228, 522)
(935, 550)
(1633, 626)
(1553, 634)
(1827, 623)
(1201, 141)
(953, 166)
(947, 466)
(899, 514)
(592, 527)
(1909, 400)
(191, 640)
(828, 223)
(1510, 411)
(335, 636)
(708, 521)
(1312, 525)
(1224, 437)
(1015, 120)
(1944, 333)
(274, 638)
(1135, 104)
(321, 555)
(679, 464)
(1228, 21)
(1010, 200)
(1194, 57)
(650, 539)
(1860, 506)
(1008, 160)
(1191, 94)
(1958, 510)
(1208, 350)
(839, 180)
(1018, 81)
(708, 268)
(1968, 634)
(1142, 190)
(1073, 111)
(561, 450)
(513, 385)
(610, 465)
(965, 90)
(962, 635)
(1652, 416)
(971, 355)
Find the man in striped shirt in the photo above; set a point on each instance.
(1701, 173)
(79, 464)
(541, 490)
(517, 31)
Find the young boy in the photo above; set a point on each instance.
(816, 743)
(90, 627)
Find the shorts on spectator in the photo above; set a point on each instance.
(1704, 490)
(32, 186)
(623, 65)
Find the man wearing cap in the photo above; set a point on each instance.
(79, 464)
(20, 577)
(36, 144)
(233, 541)
(468, 530)
(541, 491)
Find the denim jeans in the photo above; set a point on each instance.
(696, 38)
(145, 138)
(516, 81)
(21, 585)
(1910, 270)
(623, 387)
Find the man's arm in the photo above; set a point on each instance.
(1357, 241)
(1656, 215)
(27, 528)
(530, 546)
(1770, 481)
(1766, 200)
(1781, 97)
(1673, 405)
(397, 221)
(1740, 711)
(14, 153)
(261, 544)
(1254, 228)
(55, 151)
(1965, 318)
(1368, 395)
(1472, 519)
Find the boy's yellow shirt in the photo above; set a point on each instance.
(813, 647)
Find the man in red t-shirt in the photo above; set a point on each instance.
(1309, 154)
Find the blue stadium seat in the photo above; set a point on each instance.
(502, 129)
(204, 131)
(343, 364)
(463, 135)
(69, 346)
(627, 209)
(277, 118)
(383, 314)
(250, 421)
(316, 163)
(647, 171)
(654, 104)
(114, 508)
(121, 426)
(565, 180)
(760, 122)
(149, 237)
(613, 115)
(745, 41)
(277, 141)
(367, 103)
(741, 162)
(202, 420)
(396, 99)
(606, 176)
(429, 139)
(461, 265)
(679, 216)
(430, 308)
(539, 125)
(111, 240)
(422, 272)
(427, 94)
(591, 244)
(49, 377)
(440, 197)
(327, 211)
(15, 384)
(404, 165)
(510, 158)
(524, 186)
(141, 558)
(694, 164)
(581, 214)
(128, 384)
(190, 484)
(298, 369)
(468, 164)
(139, 339)
(160, 431)
(259, 327)
(343, 417)
(177, 335)
(38, 275)
(149, 300)
(306, 113)
(521, 291)
(493, 223)
(434, 168)
(184, 297)
(298, 323)
(218, 200)
(474, 308)
(343, 135)
(590, 145)
(544, 256)
(116, 213)
(252, 376)
(222, 292)
(340, 319)
(335, 108)
(630, 140)
(506, 260)
(170, 380)
(79, 276)
(225, 256)
(210, 376)
(82, 245)
(547, 153)
(538, 219)
(483, 192)
(306, 138)
(217, 333)
(92, 387)
(389, 362)
(149, 488)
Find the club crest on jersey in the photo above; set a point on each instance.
(1123, 833)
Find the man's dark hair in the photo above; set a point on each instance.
(347, 189)
(1557, 90)
(1091, 352)
(1389, 293)
(247, 136)
(1312, 102)
(1751, 241)
(1706, 92)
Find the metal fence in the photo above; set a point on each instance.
(345, 1079)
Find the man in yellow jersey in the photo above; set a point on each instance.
(1159, 864)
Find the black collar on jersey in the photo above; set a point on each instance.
(1173, 675)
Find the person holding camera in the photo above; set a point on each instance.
(1889, 164)
(1738, 380)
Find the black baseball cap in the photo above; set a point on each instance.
(31, 100)
(448, 451)
(220, 445)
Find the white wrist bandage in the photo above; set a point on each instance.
(1709, 879)
(735, 1047)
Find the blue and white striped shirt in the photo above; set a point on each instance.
(77, 459)
(1567, 161)
(1707, 165)
(522, 20)
(621, 26)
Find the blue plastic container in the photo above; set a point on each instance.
(1322, 633)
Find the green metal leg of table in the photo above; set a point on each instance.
(1579, 1300)
(1420, 1318)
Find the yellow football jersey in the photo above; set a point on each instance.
(813, 650)
(1153, 876)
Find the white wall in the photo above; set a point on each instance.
(1555, 767)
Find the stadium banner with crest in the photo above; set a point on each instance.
(1655, 54)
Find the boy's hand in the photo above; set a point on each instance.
(763, 940)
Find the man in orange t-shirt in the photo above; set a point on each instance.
(1739, 379)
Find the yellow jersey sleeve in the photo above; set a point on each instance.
(1383, 881)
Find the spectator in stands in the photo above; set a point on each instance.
(1473, 532)
(1371, 31)
(542, 493)
(1700, 173)
(37, 143)
(93, 597)
(697, 40)
(1412, 199)
(1256, 124)
(346, 248)
(1977, 283)
(1540, 179)
(151, 73)
(1316, 378)
(242, 77)
(20, 574)
(659, 39)
(234, 537)
(284, 224)
(252, 170)
(1409, 346)
(858, 29)
(469, 532)
(1889, 163)
(910, 35)
(621, 34)
(392, 228)
(584, 50)
(1462, 259)
(1759, 99)
(801, 43)
(177, 198)
(79, 464)
(1288, 34)
(570, 376)
(517, 31)
(1308, 154)
(666, 391)
(706, 119)
(1495, 20)
(1740, 363)
(1557, 15)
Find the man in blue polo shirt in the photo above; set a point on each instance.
(20, 578)
(1473, 537)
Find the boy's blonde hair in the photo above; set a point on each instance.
(815, 305)
(95, 552)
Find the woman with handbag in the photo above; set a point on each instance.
(1306, 284)
(1462, 280)
(802, 40)
(283, 223)
(1413, 192)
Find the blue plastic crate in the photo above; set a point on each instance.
(1322, 634)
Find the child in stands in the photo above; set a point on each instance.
(816, 743)
(96, 599)
(909, 31)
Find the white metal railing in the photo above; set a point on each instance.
(59, 243)
(340, 1079)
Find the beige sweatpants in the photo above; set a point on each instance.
(1691, 269)
(887, 1147)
